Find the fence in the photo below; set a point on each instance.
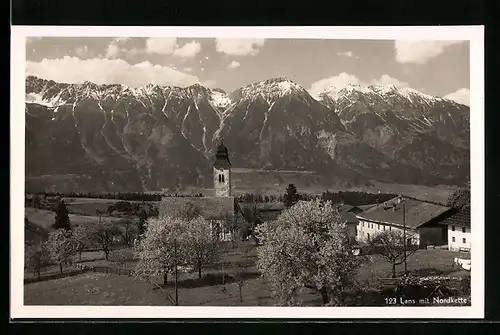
(54, 276)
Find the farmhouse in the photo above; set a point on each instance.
(33, 233)
(420, 219)
(459, 230)
(217, 209)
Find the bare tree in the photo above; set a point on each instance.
(103, 235)
(198, 244)
(121, 257)
(232, 224)
(126, 230)
(391, 245)
(37, 256)
(242, 268)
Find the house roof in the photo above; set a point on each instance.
(350, 217)
(346, 208)
(40, 217)
(366, 207)
(349, 208)
(35, 228)
(210, 207)
(416, 212)
(460, 218)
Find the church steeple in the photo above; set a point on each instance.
(222, 156)
(222, 171)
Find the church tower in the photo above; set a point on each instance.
(222, 172)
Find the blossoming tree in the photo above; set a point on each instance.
(307, 246)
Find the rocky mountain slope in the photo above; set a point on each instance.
(89, 137)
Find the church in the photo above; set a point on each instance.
(218, 208)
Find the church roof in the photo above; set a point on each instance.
(222, 156)
(210, 207)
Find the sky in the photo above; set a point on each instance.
(433, 67)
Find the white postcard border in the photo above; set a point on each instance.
(18, 60)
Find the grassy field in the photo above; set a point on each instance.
(422, 262)
(45, 218)
(431, 193)
(109, 289)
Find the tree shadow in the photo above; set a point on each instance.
(212, 279)
(423, 272)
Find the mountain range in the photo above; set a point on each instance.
(88, 137)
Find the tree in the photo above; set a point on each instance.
(121, 257)
(143, 219)
(242, 268)
(37, 257)
(126, 230)
(459, 199)
(156, 250)
(82, 234)
(198, 244)
(307, 246)
(291, 196)
(62, 218)
(61, 246)
(187, 211)
(232, 224)
(103, 234)
(391, 245)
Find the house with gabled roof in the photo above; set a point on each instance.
(420, 219)
(33, 233)
(459, 230)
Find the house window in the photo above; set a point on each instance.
(463, 230)
(378, 226)
(390, 228)
(453, 238)
(363, 223)
(368, 236)
(383, 227)
(464, 240)
(452, 228)
(356, 233)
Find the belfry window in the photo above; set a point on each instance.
(222, 178)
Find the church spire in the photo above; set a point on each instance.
(222, 156)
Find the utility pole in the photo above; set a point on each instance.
(175, 262)
(404, 234)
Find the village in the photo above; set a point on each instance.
(233, 249)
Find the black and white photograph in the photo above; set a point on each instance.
(230, 168)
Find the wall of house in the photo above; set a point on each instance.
(33, 238)
(433, 236)
(367, 229)
(352, 231)
(222, 189)
(456, 236)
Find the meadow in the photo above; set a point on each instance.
(110, 289)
